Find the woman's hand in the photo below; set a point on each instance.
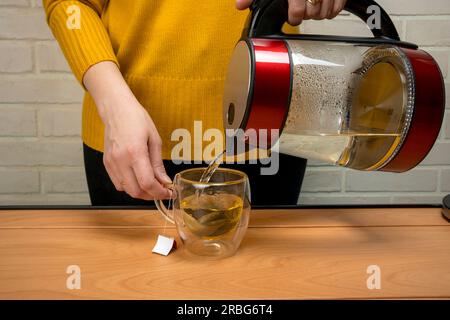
(300, 10)
(132, 154)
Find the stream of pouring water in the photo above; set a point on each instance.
(208, 173)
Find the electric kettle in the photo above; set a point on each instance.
(374, 104)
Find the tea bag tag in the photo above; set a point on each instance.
(164, 245)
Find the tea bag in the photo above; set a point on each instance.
(211, 215)
(164, 245)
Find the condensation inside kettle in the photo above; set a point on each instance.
(348, 103)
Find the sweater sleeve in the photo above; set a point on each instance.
(79, 30)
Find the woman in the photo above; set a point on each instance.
(150, 67)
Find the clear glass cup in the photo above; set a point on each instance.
(211, 218)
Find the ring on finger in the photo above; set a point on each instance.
(314, 2)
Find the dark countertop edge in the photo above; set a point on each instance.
(259, 207)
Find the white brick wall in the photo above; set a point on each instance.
(40, 113)
(40, 110)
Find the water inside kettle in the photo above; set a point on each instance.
(347, 105)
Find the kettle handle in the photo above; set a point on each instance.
(268, 17)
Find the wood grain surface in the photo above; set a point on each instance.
(286, 254)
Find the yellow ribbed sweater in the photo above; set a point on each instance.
(173, 54)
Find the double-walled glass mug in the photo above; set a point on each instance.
(211, 218)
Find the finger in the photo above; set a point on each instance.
(144, 174)
(159, 170)
(113, 172)
(326, 9)
(131, 185)
(296, 12)
(312, 10)
(337, 8)
(243, 4)
(155, 153)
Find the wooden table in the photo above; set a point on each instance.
(286, 254)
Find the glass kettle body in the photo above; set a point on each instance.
(363, 103)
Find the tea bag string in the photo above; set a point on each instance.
(170, 207)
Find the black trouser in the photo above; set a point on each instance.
(282, 188)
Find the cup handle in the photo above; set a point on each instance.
(163, 209)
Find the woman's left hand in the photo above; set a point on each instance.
(300, 10)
